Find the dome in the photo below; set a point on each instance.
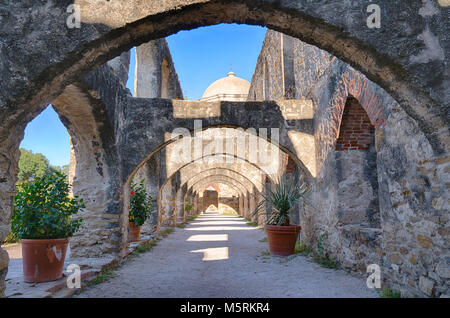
(230, 88)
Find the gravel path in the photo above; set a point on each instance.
(221, 256)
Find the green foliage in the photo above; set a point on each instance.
(389, 293)
(166, 232)
(11, 238)
(145, 247)
(251, 223)
(263, 240)
(318, 256)
(187, 204)
(62, 169)
(43, 209)
(265, 253)
(283, 200)
(103, 277)
(140, 203)
(192, 217)
(302, 249)
(36, 165)
(229, 213)
(32, 166)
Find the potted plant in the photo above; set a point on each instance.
(140, 208)
(42, 219)
(281, 234)
(188, 207)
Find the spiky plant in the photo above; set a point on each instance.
(283, 199)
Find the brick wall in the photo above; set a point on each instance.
(356, 131)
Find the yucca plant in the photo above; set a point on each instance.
(283, 198)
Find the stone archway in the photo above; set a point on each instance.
(380, 56)
(57, 56)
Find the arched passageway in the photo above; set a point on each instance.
(402, 70)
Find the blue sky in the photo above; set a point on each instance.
(201, 56)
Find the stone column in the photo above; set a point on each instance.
(9, 168)
(148, 71)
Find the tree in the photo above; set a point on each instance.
(32, 165)
(36, 165)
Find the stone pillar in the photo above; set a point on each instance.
(147, 72)
(120, 67)
(180, 213)
(252, 205)
(240, 205)
(9, 168)
(167, 202)
(150, 172)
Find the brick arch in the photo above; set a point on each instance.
(356, 131)
(356, 85)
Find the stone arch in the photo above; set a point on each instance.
(223, 172)
(240, 159)
(355, 131)
(402, 70)
(83, 114)
(230, 116)
(381, 60)
(247, 199)
(92, 177)
(178, 195)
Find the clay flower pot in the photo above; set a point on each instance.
(43, 260)
(282, 239)
(134, 232)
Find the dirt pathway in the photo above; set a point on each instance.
(221, 256)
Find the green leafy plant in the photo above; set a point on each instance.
(389, 293)
(43, 209)
(140, 203)
(187, 204)
(283, 199)
(192, 217)
(167, 231)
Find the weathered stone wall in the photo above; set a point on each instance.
(409, 237)
(155, 77)
(229, 204)
(210, 197)
(407, 57)
(155, 74)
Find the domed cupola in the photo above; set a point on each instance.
(230, 88)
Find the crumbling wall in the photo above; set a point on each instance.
(409, 236)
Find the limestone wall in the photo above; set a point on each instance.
(409, 236)
(155, 74)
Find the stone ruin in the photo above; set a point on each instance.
(359, 113)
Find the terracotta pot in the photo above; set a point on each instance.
(43, 260)
(134, 232)
(282, 239)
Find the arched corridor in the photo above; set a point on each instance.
(359, 114)
(219, 256)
